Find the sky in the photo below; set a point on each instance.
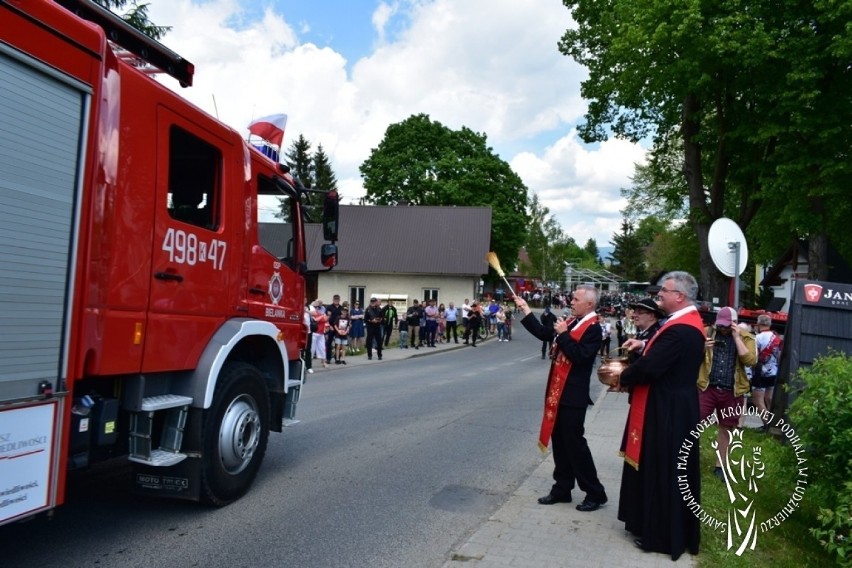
(345, 70)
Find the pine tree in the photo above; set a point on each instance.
(325, 181)
(323, 174)
(300, 161)
(628, 255)
(301, 167)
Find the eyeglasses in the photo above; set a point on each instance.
(666, 291)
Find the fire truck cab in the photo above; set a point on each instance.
(141, 317)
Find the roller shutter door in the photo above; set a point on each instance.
(41, 134)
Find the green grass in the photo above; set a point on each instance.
(786, 545)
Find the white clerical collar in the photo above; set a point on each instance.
(681, 312)
(587, 317)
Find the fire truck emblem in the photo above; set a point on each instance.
(276, 288)
(813, 292)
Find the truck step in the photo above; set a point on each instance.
(160, 458)
(164, 401)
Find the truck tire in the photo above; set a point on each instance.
(234, 434)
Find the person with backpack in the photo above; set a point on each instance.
(765, 372)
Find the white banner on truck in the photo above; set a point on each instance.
(26, 449)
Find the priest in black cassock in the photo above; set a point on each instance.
(663, 411)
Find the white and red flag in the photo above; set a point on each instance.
(270, 128)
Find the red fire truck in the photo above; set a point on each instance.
(141, 316)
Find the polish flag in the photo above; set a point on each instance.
(270, 128)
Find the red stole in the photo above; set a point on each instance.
(559, 370)
(639, 394)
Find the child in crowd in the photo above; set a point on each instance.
(403, 332)
(341, 337)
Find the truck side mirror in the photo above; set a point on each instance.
(328, 255)
(330, 212)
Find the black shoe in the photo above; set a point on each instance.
(589, 505)
(473, 344)
(639, 544)
(542, 356)
(717, 471)
(369, 357)
(343, 362)
(380, 357)
(551, 499)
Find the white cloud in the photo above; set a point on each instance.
(490, 65)
(381, 16)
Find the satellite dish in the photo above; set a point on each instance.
(728, 247)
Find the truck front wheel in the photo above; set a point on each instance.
(234, 434)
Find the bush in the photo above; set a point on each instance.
(823, 418)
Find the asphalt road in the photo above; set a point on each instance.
(392, 464)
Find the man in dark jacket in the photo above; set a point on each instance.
(574, 352)
(412, 316)
(548, 321)
(662, 461)
(374, 320)
(333, 312)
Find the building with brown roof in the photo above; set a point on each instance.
(401, 253)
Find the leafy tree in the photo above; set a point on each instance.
(422, 162)
(136, 16)
(673, 249)
(659, 189)
(548, 247)
(756, 96)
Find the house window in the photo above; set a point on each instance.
(193, 179)
(356, 294)
(430, 294)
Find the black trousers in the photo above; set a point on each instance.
(572, 456)
(388, 332)
(306, 352)
(329, 347)
(374, 333)
(453, 330)
(471, 331)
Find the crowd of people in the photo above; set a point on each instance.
(338, 329)
(681, 372)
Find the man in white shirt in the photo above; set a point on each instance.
(606, 332)
(465, 312)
